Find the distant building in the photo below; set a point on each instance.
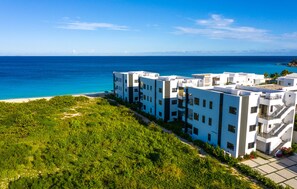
(126, 84)
(288, 80)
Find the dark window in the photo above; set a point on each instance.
(232, 110)
(209, 137)
(271, 108)
(210, 104)
(135, 90)
(144, 86)
(230, 146)
(136, 81)
(173, 113)
(195, 131)
(160, 102)
(147, 87)
(174, 102)
(151, 88)
(254, 109)
(269, 126)
(196, 116)
(136, 98)
(151, 110)
(144, 107)
(203, 119)
(252, 127)
(174, 90)
(125, 80)
(251, 145)
(196, 101)
(151, 99)
(231, 128)
(204, 103)
(160, 113)
(160, 90)
(209, 121)
(144, 97)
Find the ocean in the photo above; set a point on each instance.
(22, 77)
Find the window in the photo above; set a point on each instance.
(160, 90)
(125, 80)
(232, 110)
(160, 102)
(144, 107)
(136, 98)
(144, 86)
(174, 90)
(252, 128)
(147, 87)
(196, 116)
(173, 113)
(151, 110)
(160, 113)
(151, 99)
(195, 131)
(254, 109)
(209, 121)
(289, 84)
(204, 103)
(148, 98)
(174, 102)
(271, 108)
(203, 119)
(151, 88)
(251, 145)
(196, 101)
(209, 137)
(269, 126)
(144, 97)
(230, 146)
(231, 128)
(136, 81)
(135, 90)
(125, 90)
(210, 104)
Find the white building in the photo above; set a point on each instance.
(248, 79)
(288, 80)
(241, 119)
(126, 84)
(159, 95)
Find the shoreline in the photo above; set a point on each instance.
(23, 100)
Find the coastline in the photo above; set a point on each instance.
(23, 100)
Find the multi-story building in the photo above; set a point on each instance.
(248, 79)
(126, 84)
(241, 119)
(159, 95)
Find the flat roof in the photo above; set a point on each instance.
(270, 86)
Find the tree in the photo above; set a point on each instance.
(266, 75)
(274, 75)
(285, 72)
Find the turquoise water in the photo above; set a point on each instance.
(22, 77)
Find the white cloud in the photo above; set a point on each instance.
(218, 27)
(92, 26)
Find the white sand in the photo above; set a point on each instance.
(21, 100)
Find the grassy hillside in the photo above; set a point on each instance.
(75, 142)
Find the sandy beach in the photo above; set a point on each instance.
(22, 100)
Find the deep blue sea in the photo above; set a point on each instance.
(46, 76)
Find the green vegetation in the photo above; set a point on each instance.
(76, 142)
(275, 75)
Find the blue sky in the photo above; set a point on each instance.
(151, 27)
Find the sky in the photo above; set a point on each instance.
(147, 27)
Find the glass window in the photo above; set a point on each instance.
(231, 128)
(232, 110)
(174, 102)
(204, 103)
(254, 109)
(160, 102)
(160, 90)
(160, 113)
(203, 119)
(209, 137)
(136, 81)
(230, 146)
(173, 113)
(210, 104)
(195, 131)
(196, 101)
(209, 121)
(251, 145)
(196, 116)
(174, 90)
(252, 127)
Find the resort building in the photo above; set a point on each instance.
(241, 119)
(159, 95)
(229, 110)
(126, 84)
(288, 80)
(226, 78)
